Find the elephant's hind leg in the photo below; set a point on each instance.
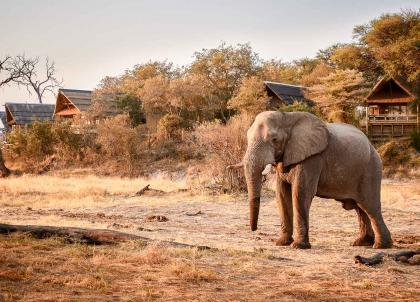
(382, 235)
(366, 235)
(370, 203)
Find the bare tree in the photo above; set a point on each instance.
(30, 78)
(9, 70)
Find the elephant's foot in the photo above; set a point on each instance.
(300, 245)
(383, 244)
(365, 240)
(284, 240)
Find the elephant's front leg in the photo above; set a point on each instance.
(284, 204)
(302, 196)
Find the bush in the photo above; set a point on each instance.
(394, 152)
(224, 145)
(170, 126)
(120, 143)
(33, 144)
(415, 141)
(300, 106)
(399, 159)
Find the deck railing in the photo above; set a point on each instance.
(392, 118)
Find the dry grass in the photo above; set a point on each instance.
(51, 270)
(75, 191)
(249, 268)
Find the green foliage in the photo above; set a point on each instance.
(251, 98)
(339, 93)
(131, 105)
(301, 106)
(34, 143)
(393, 40)
(415, 141)
(223, 68)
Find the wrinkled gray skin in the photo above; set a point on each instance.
(334, 161)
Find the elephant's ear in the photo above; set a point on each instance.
(308, 136)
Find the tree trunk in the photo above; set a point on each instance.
(86, 236)
(4, 172)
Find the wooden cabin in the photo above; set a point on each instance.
(21, 114)
(281, 94)
(71, 103)
(390, 110)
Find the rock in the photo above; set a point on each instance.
(159, 218)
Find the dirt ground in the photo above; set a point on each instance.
(247, 267)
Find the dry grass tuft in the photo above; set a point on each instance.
(189, 272)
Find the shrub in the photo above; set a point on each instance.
(33, 144)
(394, 152)
(399, 159)
(301, 106)
(224, 145)
(119, 142)
(170, 126)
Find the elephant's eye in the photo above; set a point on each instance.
(274, 140)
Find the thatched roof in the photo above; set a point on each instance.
(72, 101)
(287, 93)
(24, 114)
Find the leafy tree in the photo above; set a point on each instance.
(223, 69)
(321, 70)
(324, 55)
(155, 94)
(393, 39)
(358, 57)
(277, 71)
(339, 93)
(191, 97)
(251, 98)
(131, 105)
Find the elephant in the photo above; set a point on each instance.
(313, 158)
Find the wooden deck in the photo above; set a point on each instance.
(391, 126)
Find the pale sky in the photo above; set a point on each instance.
(89, 39)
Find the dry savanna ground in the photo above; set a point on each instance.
(245, 267)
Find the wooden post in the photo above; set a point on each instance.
(417, 117)
(367, 119)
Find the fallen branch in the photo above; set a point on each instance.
(141, 191)
(403, 256)
(148, 188)
(86, 236)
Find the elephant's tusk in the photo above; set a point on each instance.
(267, 169)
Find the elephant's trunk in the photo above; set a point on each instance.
(254, 182)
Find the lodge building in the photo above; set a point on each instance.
(391, 110)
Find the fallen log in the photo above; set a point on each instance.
(144, 189)
(87, 236)
(148, 189)
(403, 256)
